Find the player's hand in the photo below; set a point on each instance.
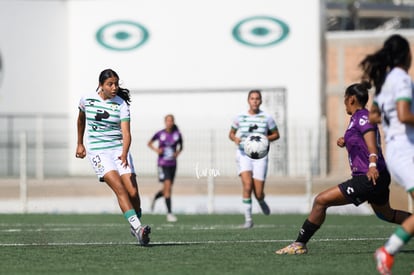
(80, 151)
(124, 161)
(237, 140)
(340, 142)
(373, 174)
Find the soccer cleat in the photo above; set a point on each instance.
(294, 248)
(247, 224)
(171, 217)
(142, 234)
(265, 208)
(384, 261)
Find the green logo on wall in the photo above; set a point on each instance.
(122, 35)
(260, 31)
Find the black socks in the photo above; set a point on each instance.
(307, 231)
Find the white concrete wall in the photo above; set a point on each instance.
(51, 56)
(190, 46)
(34, 51)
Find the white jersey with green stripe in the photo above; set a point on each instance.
(246, 124)
(103, 121)
(398, 86)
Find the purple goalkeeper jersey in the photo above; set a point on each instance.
(168, 141)
(358, 154)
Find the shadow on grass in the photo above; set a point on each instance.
(411, 251)
(169, 244)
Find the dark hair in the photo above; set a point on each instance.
(174, 127)
(394, 53)
(255, 92)
(360, 91)
(122, 92)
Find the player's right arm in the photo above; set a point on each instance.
(340, 142)
(151, 145)
(80, 149)
(233, 137)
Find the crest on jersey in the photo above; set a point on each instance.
(363, 121)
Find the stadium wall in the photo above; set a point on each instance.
(217, 45)
(37, 67)
(53, 51)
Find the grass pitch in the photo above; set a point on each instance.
(196, 244)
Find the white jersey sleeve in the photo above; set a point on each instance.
(397, 86)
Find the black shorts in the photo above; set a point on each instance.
(359, 189)
(166, 173)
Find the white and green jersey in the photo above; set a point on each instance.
(246, 124)
(397, 86)
(103, 121)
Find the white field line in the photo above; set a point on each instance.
(50, 227)
(183, 243)
(12, 228)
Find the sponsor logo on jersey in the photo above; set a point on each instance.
(362, 121)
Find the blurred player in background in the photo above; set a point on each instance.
(170, 145)
(393, 106)
(252, 171)
(106, 117)
(370, 178)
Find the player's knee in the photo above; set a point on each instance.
(319, 201)
(383, 217)
(247, 189)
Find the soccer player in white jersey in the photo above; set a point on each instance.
(105, 116)
(393, 106)
(252, 171)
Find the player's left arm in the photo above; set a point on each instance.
(179, 146)
(126, 141)
(371, 142)
(404, 111)
(273, 134)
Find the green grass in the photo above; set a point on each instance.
(196, 244)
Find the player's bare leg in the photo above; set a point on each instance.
(167, 191)
(114, 181)
(258, 189)
(247, 182)
(131, 185)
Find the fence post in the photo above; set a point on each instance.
(210, 177)
(10, 158)
(210, 192)
(323, 146)
(39, 148)
(23, 171)
(309, 182)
